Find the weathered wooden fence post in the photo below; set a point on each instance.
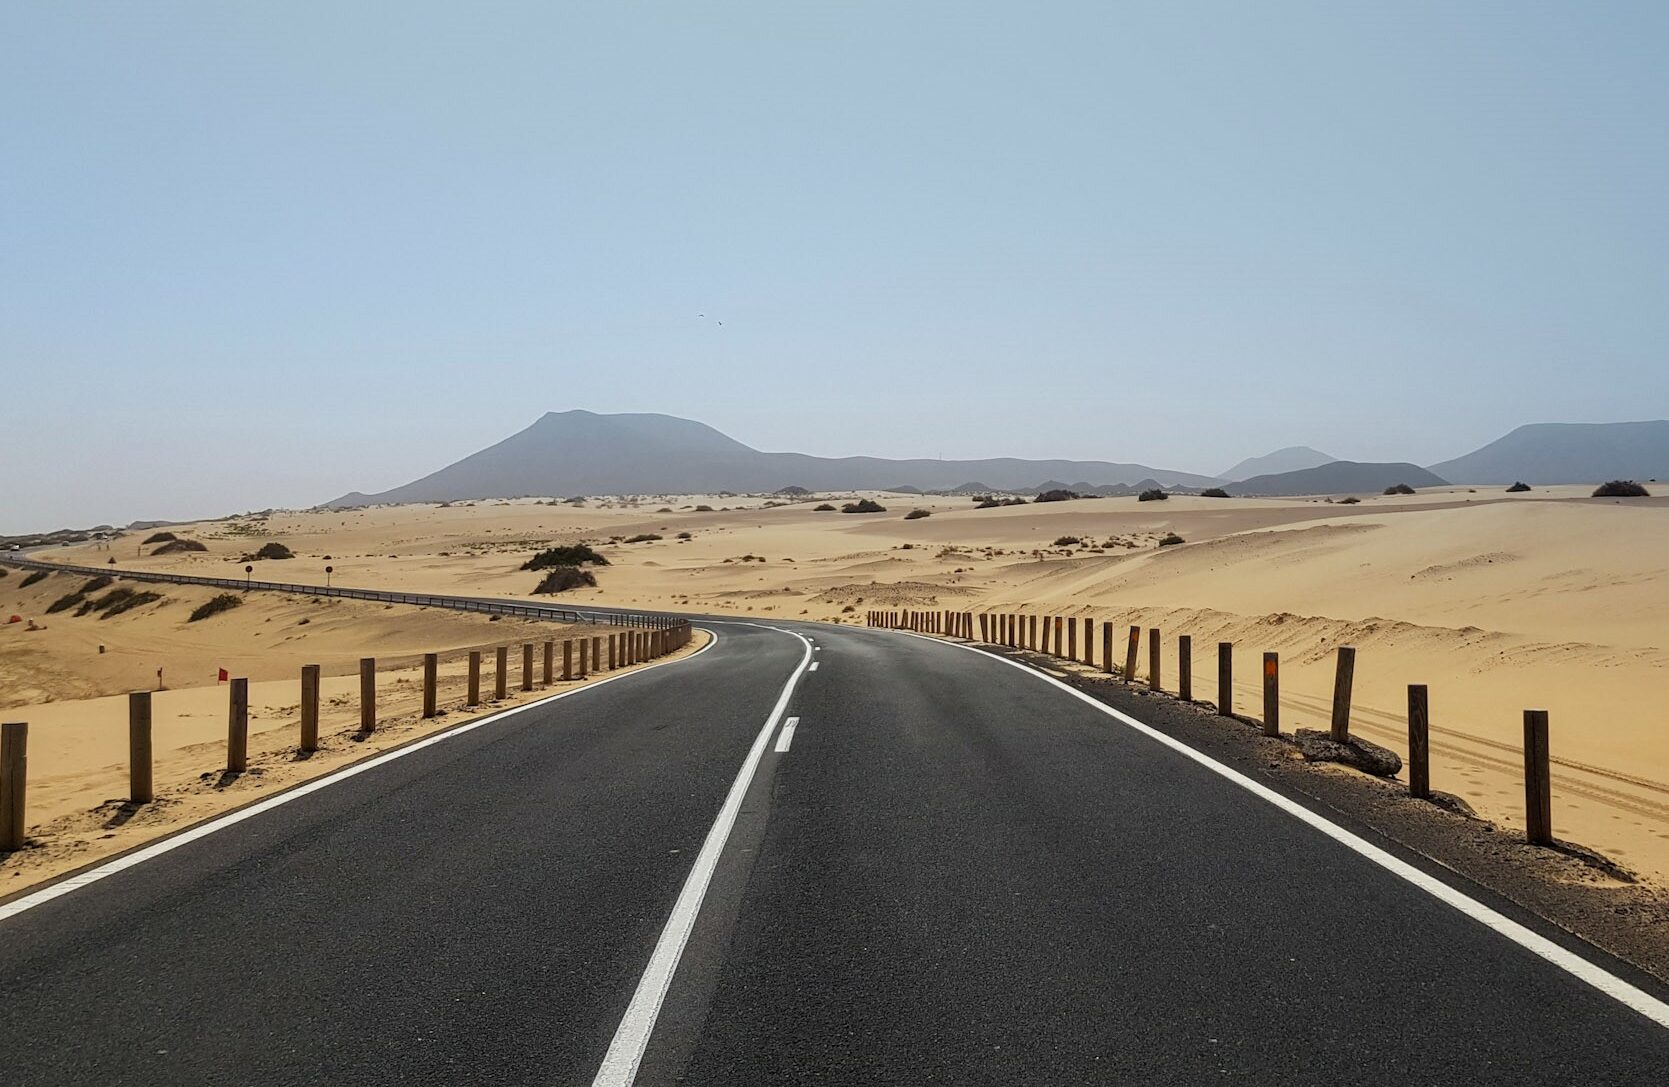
(309, 707)
(1107, 648)
(1419, 743)
(616, 641)
(1225, 678)
(1538, 780)
(597, 653)
(1032, 622)
(1271, 694)
(237, 726)
(1343, 678)
(367, 694)
(527, 666)
(431, 683)
(1154, 648)
(1072, 638)
(139, 789)
(474, 677)
(567, 659)
(1185, 667)
(1130, 651)
(501, 672)
(14, 783)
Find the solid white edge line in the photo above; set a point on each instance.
(786, 736)
(631, 1038)
(157, 849)
(1570, 962)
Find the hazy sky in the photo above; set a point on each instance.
(262, 254)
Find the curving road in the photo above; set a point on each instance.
(809, 854)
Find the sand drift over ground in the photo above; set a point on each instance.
(1498, 602)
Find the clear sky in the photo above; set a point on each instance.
(263, 254)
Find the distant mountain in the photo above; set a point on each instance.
(580, 452)
(1567, 453)
(1336, 477)
(1293, 458)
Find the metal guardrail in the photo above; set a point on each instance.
(424, 600)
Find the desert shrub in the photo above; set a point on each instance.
(214, 606)
(116, 601)
(65, 602)
(1068, 541)
(684, 535)
(159, 537)
(644, 537)
(1621, 488)
(1214, 492)
(916, 515)
(863, 505)
(273, 550)
(796, 491)
(174, 547)
(1171, 539)
(1059, 494)
(97, 585)
(563, 578)
(38, 575)
(988, 504)
(5, 572)
(1152, 494)
(1518, 488)
(1399, 488)
(704, 509)
(572, 555)
(1350, 501)
(824, 508)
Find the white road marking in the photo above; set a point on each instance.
(786, 736)
(813, 667)
(157, 849)
(631, 1038)
(1570, 962)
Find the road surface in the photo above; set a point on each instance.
(808, 854)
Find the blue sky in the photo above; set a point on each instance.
(258, 255)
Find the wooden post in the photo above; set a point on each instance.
(1185, 667)
(237, 726)
(1225, 678)
(367, 694)
(984, 626)
(597, 653)
(139, 747)
(1107, 648)
(501, 676)
(1154, 646)
(14, 783)
(1060, 629)
(527, 666)
(1538, 781)
(585, 649)
(309, 707)
(431, 679)
(1032, 623)
(567, 659)
(1072, 638)
(1130, 654)
(615, 649)
(1271, 694)
(1089, 641)
(550, 662)
(1419, 743)
(1343, 678)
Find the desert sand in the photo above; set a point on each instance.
(1498, 602)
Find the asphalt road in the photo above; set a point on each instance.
(951, 872)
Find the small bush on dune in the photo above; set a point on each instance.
(563, 578)
(1171, 540)
(643, 537)
(1059, 494)
(116, 601)
(824, 508)
(916, 515)
(97, 584)
(684, 535)
(158, 537)
(572, 555)
(174, 547)
(988, 504)
(1152, 494)
(273, 550)
(1518, 488)
(863, 505)
(1621, 488)
(214, 606)
(1068, 541)
(1351, 501)
(1399, 488)
(65, 602)
(37, 576)
(5, 572)
(1214, 492)
(704, 509)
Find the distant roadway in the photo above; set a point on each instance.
(810, 854)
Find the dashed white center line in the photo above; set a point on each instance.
(813, 667)
(786, 736)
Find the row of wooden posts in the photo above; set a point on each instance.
(581, 657)
(1058, 636)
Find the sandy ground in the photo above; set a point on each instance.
(1498, 602)
(75, 701)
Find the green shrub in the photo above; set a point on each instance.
(644, 537)
(916, 515)
(98, 584)
(1399, 488)
(987, 504)
(37, 576)
(159, 537)
(1059, 494)
(1214, 492)
(863, 505)
(1068, 541)
(116, 601)
(65, 602)
(572, 555)
(824, 508)
(1518, 488)
(5, 572)
(215, 605)
(1152, 494)
(1350, 501)
(273, 550)
(1171, 539)
(173, 547)
(684, 535)
(563, 578)
(1621, 488)
(704, 509)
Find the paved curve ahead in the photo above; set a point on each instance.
(949, 872)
